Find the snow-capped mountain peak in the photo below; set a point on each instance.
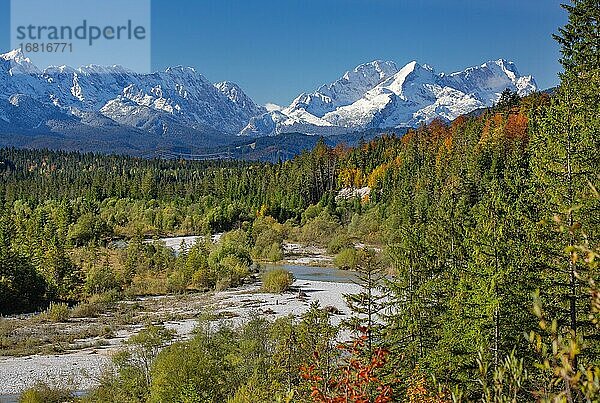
(180, 70)
(232, 90)
(488, 80)
(91, 69)
(15, 55)
(347, 89)
(379, 95)
(408, 76)
(372, 71)
(310, 108)
(15, 62)
(64, 69)
(236, 95)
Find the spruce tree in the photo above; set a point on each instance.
(565, 162)
(367, 304)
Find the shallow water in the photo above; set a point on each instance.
(14, 398)
(328, 274)
(177, 242)
(300, 272)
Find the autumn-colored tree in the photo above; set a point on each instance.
(419, 390)
(358, 380)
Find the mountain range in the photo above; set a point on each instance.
(112, 109)
(380, 95)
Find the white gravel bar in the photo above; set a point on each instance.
(81, 370)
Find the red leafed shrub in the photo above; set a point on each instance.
(357, 381)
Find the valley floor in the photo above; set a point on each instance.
(81, 368)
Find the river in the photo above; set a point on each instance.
(300, 271)
(325, 285)
(327, 274)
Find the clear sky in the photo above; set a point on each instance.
(276, 49)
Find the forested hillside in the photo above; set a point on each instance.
(488, 227)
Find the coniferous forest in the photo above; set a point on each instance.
(483, 285)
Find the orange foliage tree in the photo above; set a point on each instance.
(516, 127)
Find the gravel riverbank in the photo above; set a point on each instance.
(82, 369)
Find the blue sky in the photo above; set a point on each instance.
(276, 49)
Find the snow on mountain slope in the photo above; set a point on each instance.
(490, 79)
(264, 125)
(392, 101)
(185, 95)
(177, 97)
(27, 113)
(305, 113)
(344, 91)
(239, 97)
(378, 95)
(14, 62)
(181, 102)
